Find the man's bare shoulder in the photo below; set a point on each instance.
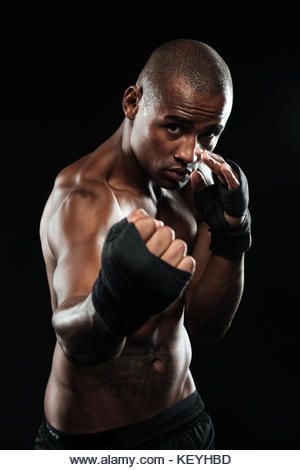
(86, 177)
(80, 197)
(88, 172)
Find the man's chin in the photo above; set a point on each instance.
(173, 185)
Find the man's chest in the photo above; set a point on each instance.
(175, 211)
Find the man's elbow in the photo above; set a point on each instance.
(208, 334)
(87, 357)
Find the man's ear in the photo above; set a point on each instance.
(131, 100)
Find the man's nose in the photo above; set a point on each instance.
(186, 152)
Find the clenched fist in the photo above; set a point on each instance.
(160, 240)
(144, 271)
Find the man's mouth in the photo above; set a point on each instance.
(181, 171)
(177, 174)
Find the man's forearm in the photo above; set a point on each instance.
(215, 299)
(82, 335)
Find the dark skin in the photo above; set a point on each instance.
(100, 381)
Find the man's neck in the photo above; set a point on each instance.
(127, 173)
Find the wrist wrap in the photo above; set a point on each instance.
(133, 283)
(226, 240)
(232, 243)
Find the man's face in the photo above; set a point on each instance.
(166, 132)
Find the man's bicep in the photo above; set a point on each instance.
(76, 271)
(76, 235)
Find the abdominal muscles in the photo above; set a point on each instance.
(147, 378)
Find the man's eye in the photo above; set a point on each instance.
(206, 138)
(208, 135)
(174, 129)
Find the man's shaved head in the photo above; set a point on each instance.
(197, 63)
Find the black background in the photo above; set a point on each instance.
(63, 73)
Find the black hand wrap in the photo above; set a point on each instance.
(133, 283)
(226, 240)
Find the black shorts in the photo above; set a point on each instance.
(186, 425)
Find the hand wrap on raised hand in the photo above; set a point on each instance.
(226, 240)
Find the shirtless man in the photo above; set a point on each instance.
(148, 229)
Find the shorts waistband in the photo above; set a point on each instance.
(182, 413)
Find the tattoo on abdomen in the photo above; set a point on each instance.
(135, 376)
